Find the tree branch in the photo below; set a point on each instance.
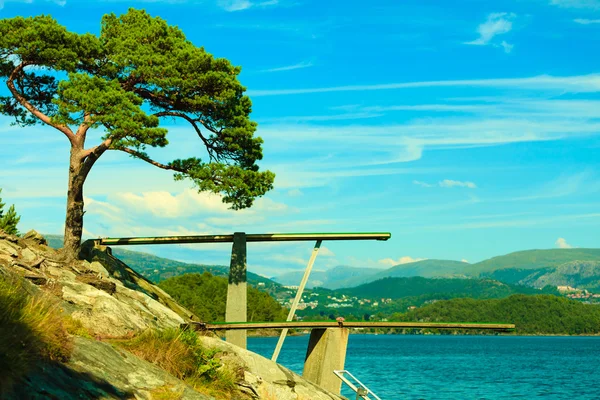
(209, 146)
(83, 128)
(90, 156)
(32, 109)
(144, 157)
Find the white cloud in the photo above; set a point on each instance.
(570, 84)
(300, 65)
(495, 24)
(402, 260)
(58, 2)
(239, 5)
(423, 184)
(450, 183)
(584, 21)
(561, 243)
(325, 252)
(166, 205)
(465, 260)
(447, 183)
(235, 5)
(506, 46)
(589, 4)
(295, 193)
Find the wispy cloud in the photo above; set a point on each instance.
(506, 46)
(300, 65)
(402, 260)
(495, 24)
(584, 21)
(58, 2)
(561, 243)
(589, 4)
(239, 5)
(570, 84)
(447, 183)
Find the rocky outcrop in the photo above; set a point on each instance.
(109, 298)
(265, 379)
(112, 300)
(96, 370)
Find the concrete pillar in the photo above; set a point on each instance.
(326, 353)
(237, 291)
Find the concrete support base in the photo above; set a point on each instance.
(237, 290)
(326, 353)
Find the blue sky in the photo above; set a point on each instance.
(467, 130)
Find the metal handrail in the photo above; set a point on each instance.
(362, 391)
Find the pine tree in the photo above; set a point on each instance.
(9, 221)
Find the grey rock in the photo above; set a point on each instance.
(99, 371)
(9, 248)
(98, 269)
(36, 237)
(267, 379)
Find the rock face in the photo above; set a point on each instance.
(112, 300)
(99, 371)
(104, 294)
(265, 379)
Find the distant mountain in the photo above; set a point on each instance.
(344, 277)
(578, 274)
(396, 288)
(579, 268)
(331, 279)
(424, 268)
(158, 269)
(534, 259)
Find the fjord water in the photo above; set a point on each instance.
(462, 367)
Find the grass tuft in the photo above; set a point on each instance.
(31, 330)
(181, 354)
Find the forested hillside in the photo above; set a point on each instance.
(542, 314)
(206, 296)
(396, 288)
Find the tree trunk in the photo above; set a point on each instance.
(74, 219)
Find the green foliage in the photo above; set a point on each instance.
(542, 314)
(205, 295)
(181, 353)
(417, 286)
(9, 221)
(138, 71)
(401, 293)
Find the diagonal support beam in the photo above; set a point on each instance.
(290, 316)
(237, 291)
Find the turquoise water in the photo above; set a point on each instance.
(462, 367)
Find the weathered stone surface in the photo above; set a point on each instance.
(99, 269)
(124, 312)
(102, 284)
(99, 371)
(9, 249)
(28, 256)
(36, 237)
(267, 379)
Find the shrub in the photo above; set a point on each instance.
(181, 354)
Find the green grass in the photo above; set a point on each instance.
(32, 330)
(180, 353)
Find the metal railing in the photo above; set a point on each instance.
(362, 391)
